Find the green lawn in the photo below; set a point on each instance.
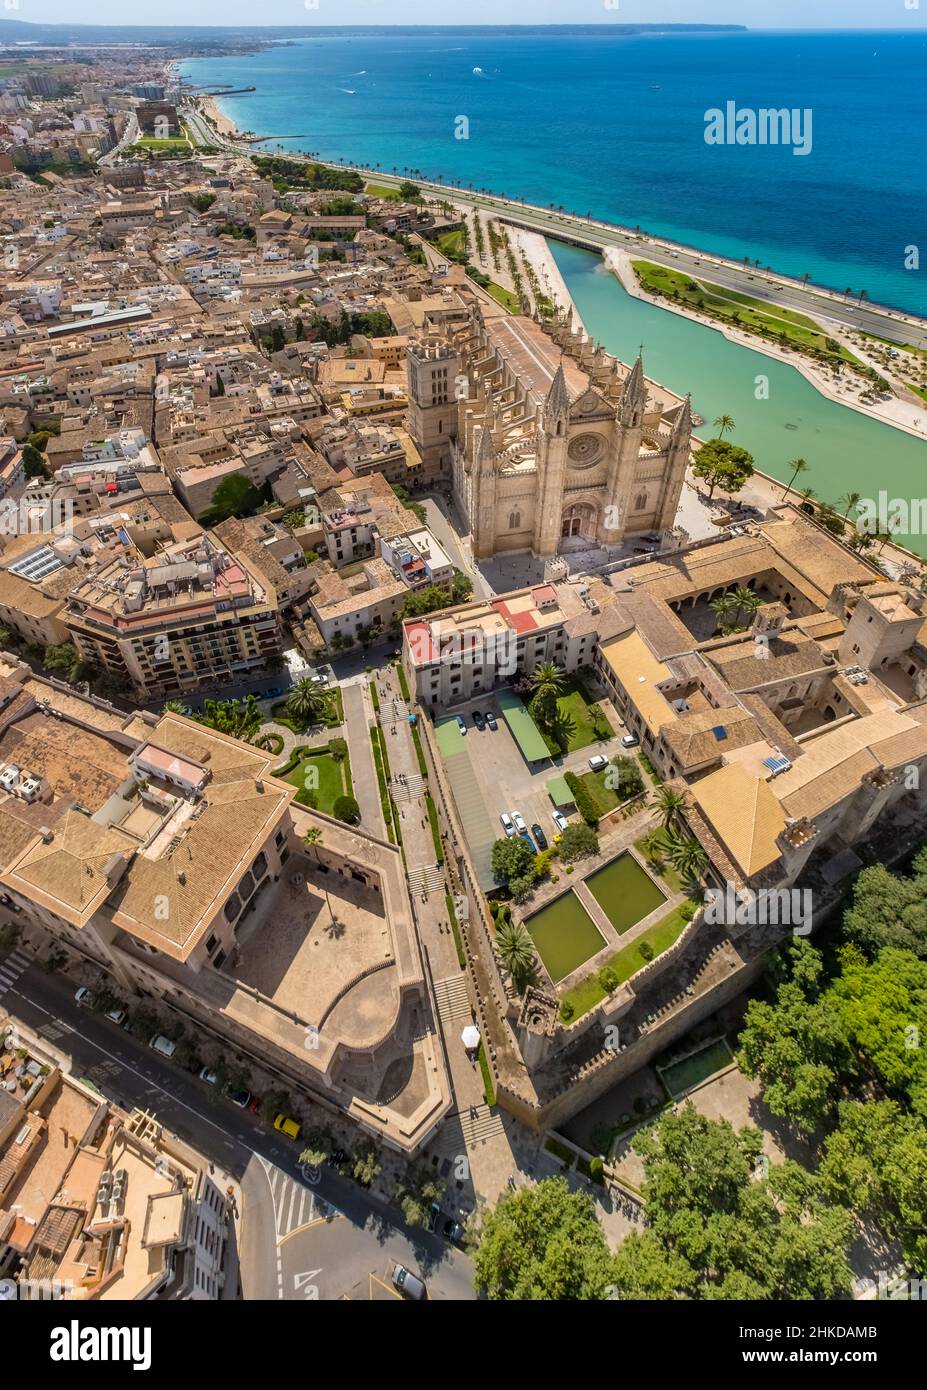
(664, 870)
(320, 781)
(626, 962)
(573, 706)
(604, 798)
(769, 320)
(172, 142)
(380, 190)
(453, 245)
(505, 297)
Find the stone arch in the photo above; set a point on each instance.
(514, 521)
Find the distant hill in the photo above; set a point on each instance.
(18, 31)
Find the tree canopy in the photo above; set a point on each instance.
(543, 1243)
(719, 463)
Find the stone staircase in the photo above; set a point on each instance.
(410, 790)
(452, 1000)
(426, 880)
(462, 1130)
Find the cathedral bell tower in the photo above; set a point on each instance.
(623, 456)
(553, 440)
(483, 512)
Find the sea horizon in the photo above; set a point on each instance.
(844, 215)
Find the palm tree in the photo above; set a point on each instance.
(689, 859)
(800, 466)
(723, 424)
(306, 702)
(723, 609)
(745, 601)
(670, 804)
(174, 707)
(547, 679)
(806, 495)
(852, 500)
(515, 950)
(311, 840)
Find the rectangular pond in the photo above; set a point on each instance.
(625, 892)
(564, 935)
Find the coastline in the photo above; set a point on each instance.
(901, 415)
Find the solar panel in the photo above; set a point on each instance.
(720, 732)
(775, 765)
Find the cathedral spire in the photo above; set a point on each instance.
(634, 387)
(682, 430)
(558, 397)
(634, 396)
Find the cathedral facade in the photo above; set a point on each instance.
(558, 446)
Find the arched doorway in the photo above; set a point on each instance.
(578, 525)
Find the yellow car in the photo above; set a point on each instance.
(287, 1126)
(557, 839)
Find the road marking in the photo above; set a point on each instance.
(311, 1225)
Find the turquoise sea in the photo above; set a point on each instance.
(615, 125)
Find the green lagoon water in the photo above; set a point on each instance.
(565, 935)
(847, 451)
(625, 893)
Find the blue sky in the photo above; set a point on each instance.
(758, 14)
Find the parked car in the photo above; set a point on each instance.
(540, 839)
(274, 693)
(560, 820)
(210, 1077)
(528, 840)
(491, 721)
(117, 1016)
(507, 824)
(461, 724)
(519, 822)
(291, 1128)
(479, 720)
(630, 741)
(240, 1098)
(83, 997)
(164, 1045)
(597, 762)
(453, 1231)
(407, 1283)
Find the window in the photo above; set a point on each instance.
(514, 521)
(641, 504)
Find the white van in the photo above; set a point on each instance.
(163, 1045)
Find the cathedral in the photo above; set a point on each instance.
(553, 445)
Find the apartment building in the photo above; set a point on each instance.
(189, 617)
(95, 1203)
(453, 655)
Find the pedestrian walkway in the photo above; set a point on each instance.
(357, 720)
(427, 880)
(452, 1000)
(11, 969)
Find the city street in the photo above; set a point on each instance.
(328, 1225)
